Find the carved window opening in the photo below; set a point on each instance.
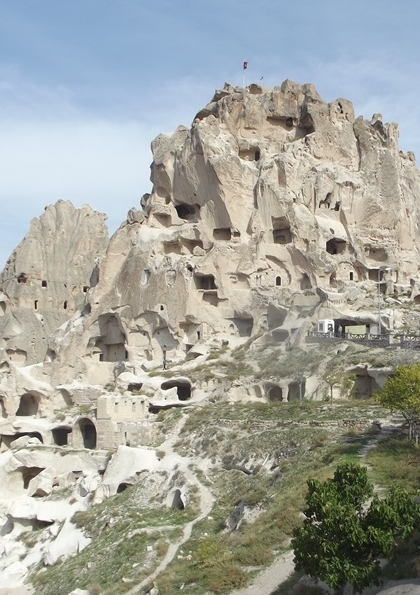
(296, 390)
(187, 212)
(183, 388)
(61, 436)
(88, 433)
(337, 206)
(22, 278)
(28, 406)
(222, 234)
(281, 230)
(85, 288)
(351, 276)
(275, 394)
(336, 246)
(36, 304)
(278, 281)
(205, 282)
(65, 305)
(43, 283)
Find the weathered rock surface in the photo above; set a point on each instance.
(47, 277)
(272, 211)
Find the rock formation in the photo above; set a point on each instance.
(46, 279)
(273, 211)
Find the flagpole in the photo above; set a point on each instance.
(244, 67)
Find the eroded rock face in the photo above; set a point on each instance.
(272, 208)
(46, 279)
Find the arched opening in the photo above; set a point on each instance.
(36, 305)
(281, 230)
(88, 432)
(22, 278)
(275, 394)
(43, 283)
(28, 405)
(65, 305)
(187, 211)
(183, 388)
(296, 391)
(122, 487)
(61, 436)
(336, 246)
(278, 281)
(177, 502)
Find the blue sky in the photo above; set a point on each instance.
(85, 85)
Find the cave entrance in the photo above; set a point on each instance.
(177, 501)
(274, 394)
(183, 388)
(296, 391)
(281, 230)
(336, 246)
(61, 436)
(88, 432)
(187, 212)
(222, 234)
(28, 405)
(205, 282)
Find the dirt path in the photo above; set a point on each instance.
(206, 504)
(270, 578)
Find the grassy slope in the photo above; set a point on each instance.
(255, 455)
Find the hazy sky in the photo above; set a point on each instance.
(85, 85)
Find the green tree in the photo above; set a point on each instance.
(402, 393)
(342, 539)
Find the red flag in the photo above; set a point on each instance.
(245, 65)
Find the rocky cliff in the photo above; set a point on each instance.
(272, 212)
(273, 209)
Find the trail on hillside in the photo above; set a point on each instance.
(279, 571)
(206, 501)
